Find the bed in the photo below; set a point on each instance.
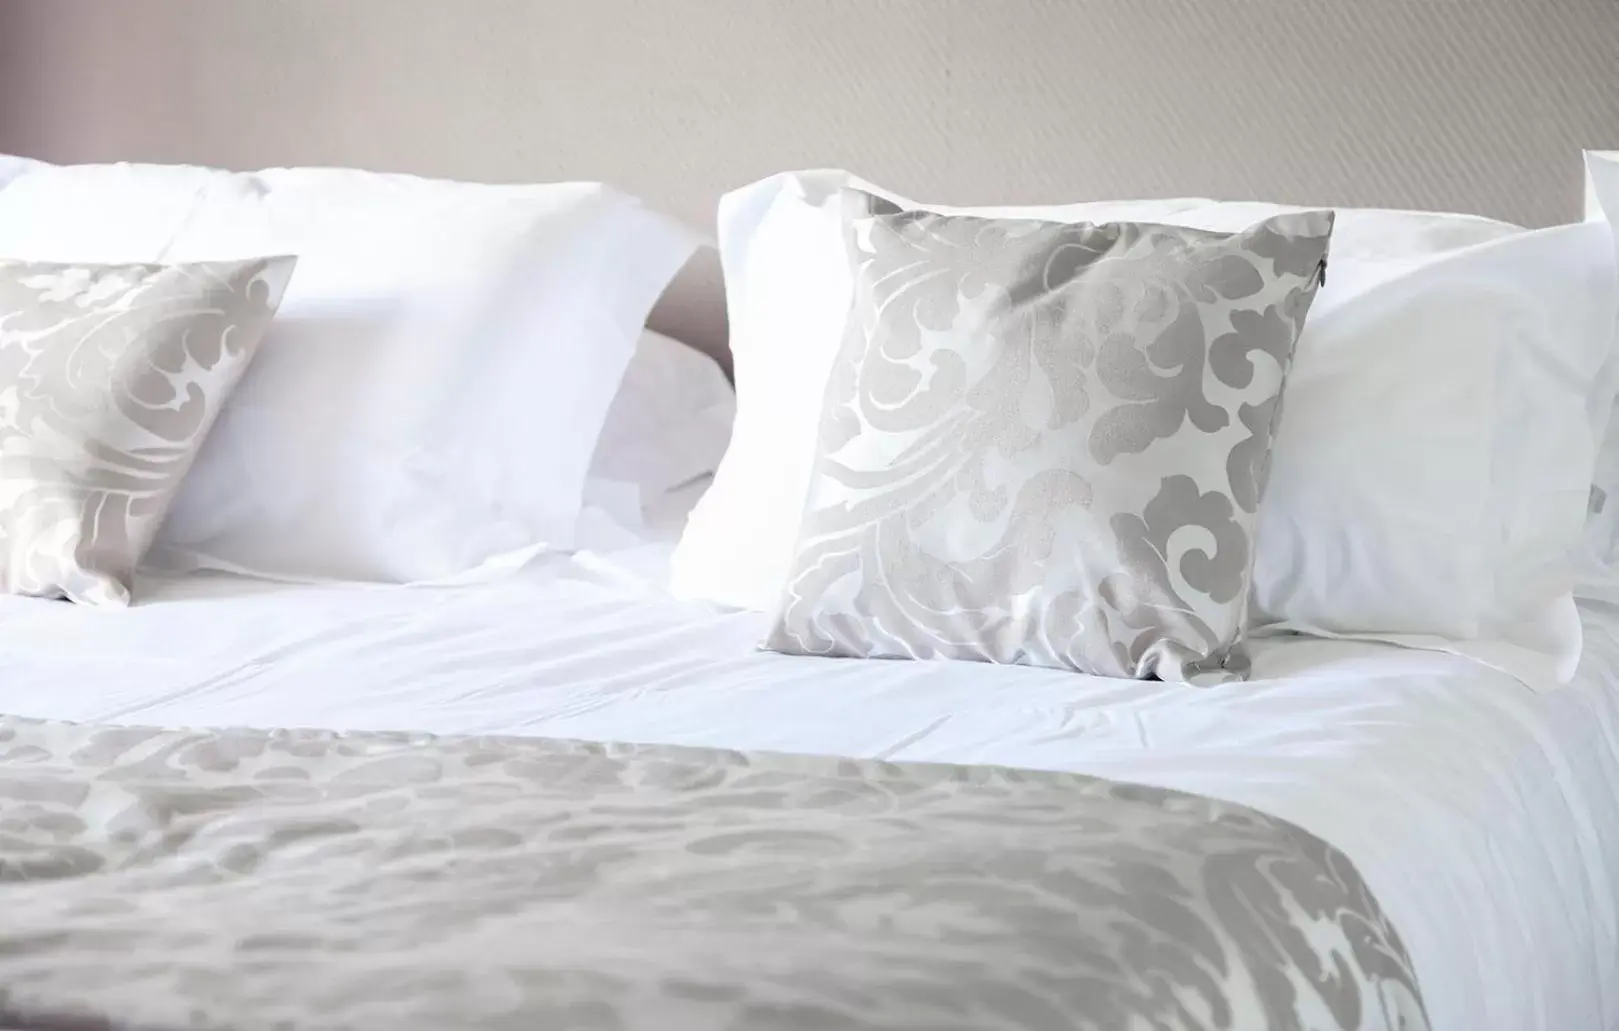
(1481, 815)
(361, 755)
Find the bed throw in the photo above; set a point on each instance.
(245, 879)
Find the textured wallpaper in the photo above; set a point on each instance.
(1478, 105)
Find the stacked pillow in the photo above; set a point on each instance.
(1431, 467)
(427, 400)
(669, 423)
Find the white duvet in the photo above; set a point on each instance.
(1485, 817)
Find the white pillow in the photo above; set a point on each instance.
(1431, 466)
(670, 421)
(1598, 165)
(1599, 557)
(12, 166)
(429, 397)
(1431, 474)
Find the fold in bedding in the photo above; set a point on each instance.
(245, 879)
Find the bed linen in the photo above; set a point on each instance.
(1482, 816)
(248, 879)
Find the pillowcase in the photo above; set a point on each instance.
(670, 421)
(1598, 568)
(1432, 482)
(110, 377)
(1045, 443)
(1427, 488)
(428, 401)
(1598, 165)
(11, 167)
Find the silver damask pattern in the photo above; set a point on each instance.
(110, 376)
(1045, 443)
(241, 879)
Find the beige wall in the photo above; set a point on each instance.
(1479, 105)
(89, 78)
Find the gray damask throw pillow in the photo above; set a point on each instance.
(1045, 443)
(109, 379)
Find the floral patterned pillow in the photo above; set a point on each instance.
(109, 379)
(1045, 443)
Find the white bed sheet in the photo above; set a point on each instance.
(1485, 817)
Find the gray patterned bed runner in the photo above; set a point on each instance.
(244, 879)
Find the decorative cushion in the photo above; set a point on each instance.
(110, 376)
(1045, 443)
